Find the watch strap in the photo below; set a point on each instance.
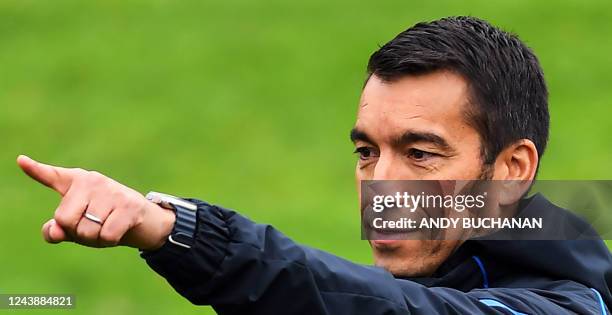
(184, 230)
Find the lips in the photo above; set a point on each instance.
(393, 234)
(384, 244)
(390, 231)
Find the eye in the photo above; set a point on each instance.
(365, 153)
(420, 155)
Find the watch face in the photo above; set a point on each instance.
(169, 201)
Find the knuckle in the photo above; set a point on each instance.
(81, 172)
(134, 202)
(125, 198)
(86, 234)
(109, 237)
(63, 219)
(118, 196)
(96, 178)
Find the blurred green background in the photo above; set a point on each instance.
(247, 104)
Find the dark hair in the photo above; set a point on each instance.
(508, 95)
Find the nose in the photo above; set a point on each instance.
(391, 167)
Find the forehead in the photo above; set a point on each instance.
(433, 102)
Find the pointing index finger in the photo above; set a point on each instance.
(54, 177)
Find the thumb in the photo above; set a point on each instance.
(53, 233)
(56, 178)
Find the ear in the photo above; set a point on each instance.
(516, 166)
(518, 161)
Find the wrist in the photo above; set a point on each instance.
(159, 224)
(183, 223)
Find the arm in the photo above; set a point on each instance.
(241, 267)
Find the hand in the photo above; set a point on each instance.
(127, 217)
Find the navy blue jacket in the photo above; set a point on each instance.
(240, 267)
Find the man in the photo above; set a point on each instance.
(450, 99)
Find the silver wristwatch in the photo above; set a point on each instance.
(183, 233)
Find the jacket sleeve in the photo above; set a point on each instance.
(240, 267)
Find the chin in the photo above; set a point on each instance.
(411, 258)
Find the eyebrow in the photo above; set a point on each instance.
(410, 137)
(359, 135)
(406, 138)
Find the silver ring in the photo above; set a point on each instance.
(93, 218)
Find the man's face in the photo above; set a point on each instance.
(415, 128)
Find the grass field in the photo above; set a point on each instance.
(247, 104)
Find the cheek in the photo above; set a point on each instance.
(363, 173)
(358, 179)
(468, 164)
(469, 169)
(358, 186)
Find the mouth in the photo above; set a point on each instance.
(386, 244)
(389, 236)
(391, 239)
(391, 233)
